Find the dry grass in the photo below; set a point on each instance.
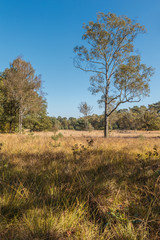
(99, 134)
(78, 187)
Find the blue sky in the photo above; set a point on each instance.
(45, 32)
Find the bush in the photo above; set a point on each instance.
(57, 136)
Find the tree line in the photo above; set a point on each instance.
(135, 118)
(23, 106)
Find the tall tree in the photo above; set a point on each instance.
(118, 75)
(23, 87)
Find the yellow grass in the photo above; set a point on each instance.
(99, 134)
(81, 186)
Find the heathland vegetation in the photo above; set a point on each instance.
(79, 188)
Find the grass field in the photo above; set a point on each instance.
(80, 186)
(99, 134)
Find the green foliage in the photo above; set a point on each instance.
(55, 124)
(21, 104)
(80, 124)
(57, 136)
(135, 118)
(38, 123)
(23, 87)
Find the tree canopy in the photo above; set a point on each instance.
(20, 94)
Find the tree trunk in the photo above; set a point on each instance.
(86, 123)
(106, 104)
(106, 118)
(20, 120)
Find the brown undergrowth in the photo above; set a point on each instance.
(79, 188)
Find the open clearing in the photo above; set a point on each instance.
(80, 186)
(97, 134)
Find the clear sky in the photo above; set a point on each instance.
(45, 32)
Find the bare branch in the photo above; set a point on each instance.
(89, 70)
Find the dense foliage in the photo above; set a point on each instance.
(135, 118)
(22, 104)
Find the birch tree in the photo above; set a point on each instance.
(118, 74)
(23, 86)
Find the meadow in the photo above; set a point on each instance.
(78, 185)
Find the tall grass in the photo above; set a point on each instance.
(79, 188)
